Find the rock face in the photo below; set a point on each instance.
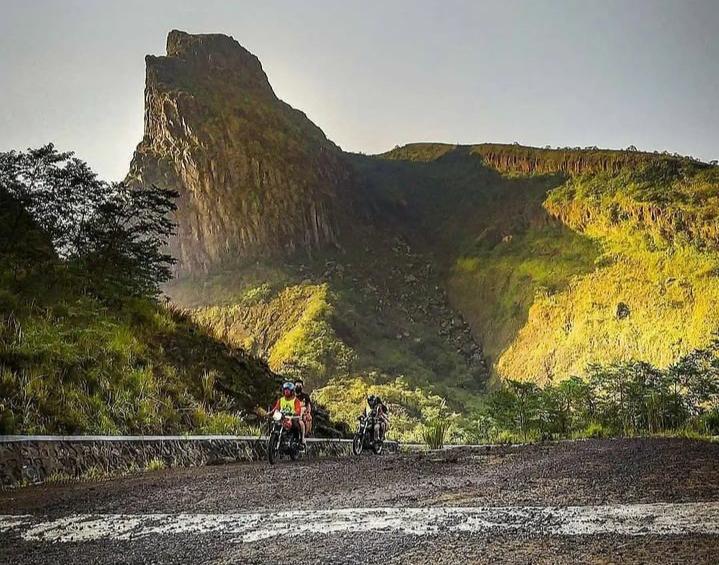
(255, 176)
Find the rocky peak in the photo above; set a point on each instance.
(255, 175)
(210, 54)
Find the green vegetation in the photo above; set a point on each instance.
(555, 259)
(669, 201)
(155, 465)
(627, 398)
(409, 407)
(436, 431)
(558, 263)
(651, 305)
(496, 286)
(654, 292)
(291, 329)
(332, 317)
(82, 350)
(562, 258)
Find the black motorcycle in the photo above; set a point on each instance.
(364, 437)
(283, 439)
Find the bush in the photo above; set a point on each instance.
(155, 465)
(595, 430)
(710, 422)
(435, 433)
(505, 437)
(218, 423)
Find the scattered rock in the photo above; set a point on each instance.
(623, 311)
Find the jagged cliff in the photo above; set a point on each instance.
(256, 177)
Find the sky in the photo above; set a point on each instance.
(375, 74)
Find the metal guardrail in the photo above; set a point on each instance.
(21, 438)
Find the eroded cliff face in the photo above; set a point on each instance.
(518, 159)
(256, 177)
(524, 160)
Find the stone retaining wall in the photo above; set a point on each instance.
(34, 459)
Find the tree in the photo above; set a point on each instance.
(121, 246)
(526, 404)
(696, 377)
(56, 213)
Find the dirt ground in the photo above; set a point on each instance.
(586, 473)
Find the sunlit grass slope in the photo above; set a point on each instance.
(559, 258)
(70, 363)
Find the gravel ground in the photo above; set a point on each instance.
(596, 472)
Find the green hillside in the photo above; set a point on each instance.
(556, 259)
(356, 319)
(86, 347)
(563, 258)
(70, 363)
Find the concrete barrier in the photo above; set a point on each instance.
(35, 459)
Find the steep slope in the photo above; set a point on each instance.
(365, 311)
(77, 360)
(255, 176)
(560, 258)
(654, 294)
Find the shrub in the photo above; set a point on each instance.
(595, 430)
(435, 433)
(155, 465)
(219, 423)
(506, 437)
(710, 422)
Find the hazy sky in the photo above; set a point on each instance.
(376, 74)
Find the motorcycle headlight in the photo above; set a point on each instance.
(277, 416)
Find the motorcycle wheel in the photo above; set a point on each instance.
(377, 446)
(357, 444)
(273, 448)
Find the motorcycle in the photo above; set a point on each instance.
(364, 437)
(283, 440)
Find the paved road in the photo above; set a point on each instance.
(596, 501)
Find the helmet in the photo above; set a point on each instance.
(299, 385)
(288, 389)
(371, 399)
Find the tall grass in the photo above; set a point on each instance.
(436, 432)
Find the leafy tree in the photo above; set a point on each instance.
(527, 404)
(57, 215)
(121, 246)
(624, 398)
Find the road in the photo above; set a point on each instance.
(634, 500)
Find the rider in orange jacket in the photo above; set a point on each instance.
(291, 406)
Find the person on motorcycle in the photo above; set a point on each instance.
(291, 406)
(306, 405)
(382, 419)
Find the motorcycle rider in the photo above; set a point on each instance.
(291, 406)
(381, 422)
(306, 404)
